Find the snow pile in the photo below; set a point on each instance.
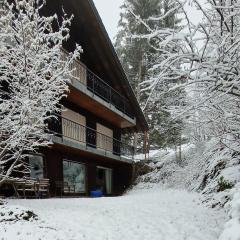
(218, 165)
(232, 227)
(169, 172)
(15, 213)
(203, 168)
(2, 202)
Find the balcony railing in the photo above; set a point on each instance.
(89, 137)
(99, 87)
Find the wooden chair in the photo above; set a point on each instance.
(30, 187)
(24, 185)
(19, 187)
(42, 185)
(69, 188)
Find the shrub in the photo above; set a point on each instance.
(223, 184)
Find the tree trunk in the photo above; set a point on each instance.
(135, 142)
(180, 149)
(176, 152)
(138, 98)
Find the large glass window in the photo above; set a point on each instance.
(36, 166)
(74, 175)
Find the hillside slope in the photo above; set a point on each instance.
(215, 175)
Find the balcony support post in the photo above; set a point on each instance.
(146, 145)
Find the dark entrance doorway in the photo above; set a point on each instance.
(104, 180)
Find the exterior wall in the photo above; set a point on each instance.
(122, 172)
(53, 168)
(104, 142)
(92, 120)
(103, 64)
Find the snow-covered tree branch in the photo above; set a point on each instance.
(141, 25)
(33, 79)
(196, 72)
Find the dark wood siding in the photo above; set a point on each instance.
(92, 120)
(122, 172)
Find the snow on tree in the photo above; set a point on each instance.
(196, 75)
(33, 79)
(138, 54)
(214, 75)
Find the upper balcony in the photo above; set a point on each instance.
(94, 94)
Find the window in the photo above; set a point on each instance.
(74, 175)
(37, 166)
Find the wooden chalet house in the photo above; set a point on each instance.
(87, 152)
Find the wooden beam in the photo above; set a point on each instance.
(146, 145)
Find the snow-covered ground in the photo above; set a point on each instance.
(201, 170)
(142, 214)
(232, 227)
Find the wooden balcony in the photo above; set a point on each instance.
(74, 135)
(92, 93)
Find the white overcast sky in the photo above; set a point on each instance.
(109, 11)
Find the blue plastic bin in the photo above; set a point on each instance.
(96, 194)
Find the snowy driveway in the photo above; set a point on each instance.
(141, 215)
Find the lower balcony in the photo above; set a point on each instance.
(76, 136)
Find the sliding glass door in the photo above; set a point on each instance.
(104, 180)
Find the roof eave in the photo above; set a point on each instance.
(123, 78)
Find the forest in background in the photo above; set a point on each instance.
(185, 73)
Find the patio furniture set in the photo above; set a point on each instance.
(29, 187)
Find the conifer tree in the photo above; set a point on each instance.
(139, 55)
